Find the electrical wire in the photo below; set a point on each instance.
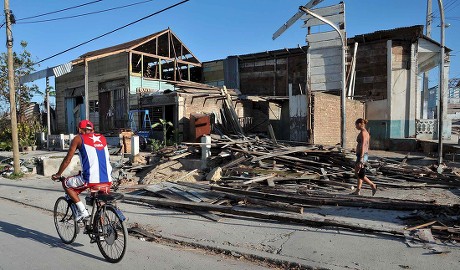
(448, 7)
(113, 31)
(60, 10)
(88, 13)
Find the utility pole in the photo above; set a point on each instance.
(14, 122)
(441, 87)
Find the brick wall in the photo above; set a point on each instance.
(326, 119)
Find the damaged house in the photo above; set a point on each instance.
(283, 90)
(117, 77)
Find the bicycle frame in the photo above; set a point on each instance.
(105, 225)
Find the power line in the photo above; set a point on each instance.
(445, 6)
(61, 10)
(113, 31)
(452, 5)
(88, 13)
(448, 7)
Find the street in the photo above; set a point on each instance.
(29, 241)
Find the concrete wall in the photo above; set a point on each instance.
(394, 116)
(326, 119)
(378, 115)
(402, 90)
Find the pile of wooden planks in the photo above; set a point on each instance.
(258, 163)
(214, 202)
(281, 181)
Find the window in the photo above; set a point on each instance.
(93, 106)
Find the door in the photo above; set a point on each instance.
(70, 118)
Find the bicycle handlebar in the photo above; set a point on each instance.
(61, 178)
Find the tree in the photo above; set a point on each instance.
(23, 65)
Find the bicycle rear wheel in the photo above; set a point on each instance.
(64, 220)
(111, 234)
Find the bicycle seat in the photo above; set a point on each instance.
(110, 197)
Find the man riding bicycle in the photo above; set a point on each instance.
(96, 168)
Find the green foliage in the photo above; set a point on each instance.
(166, 125)
(6, 145)
(15, 176)
(5, 134)
(156, 145)
(27, 130)
(23, 65)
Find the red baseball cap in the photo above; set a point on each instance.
(86, 124)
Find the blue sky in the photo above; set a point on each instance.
(212, 29)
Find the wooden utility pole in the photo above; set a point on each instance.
(14, 122)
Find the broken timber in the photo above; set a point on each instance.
(300, 219)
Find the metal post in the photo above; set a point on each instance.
(424, 103)
(343, 92)
(48, 115)
(441, 88)
(86, 91)
(14, 122)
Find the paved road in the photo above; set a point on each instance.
(28, 240)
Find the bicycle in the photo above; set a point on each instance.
(105, 225)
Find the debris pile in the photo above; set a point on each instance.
(267, 179)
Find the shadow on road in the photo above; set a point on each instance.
(48, 240)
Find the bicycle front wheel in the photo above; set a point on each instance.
(64, 220)
(111, 233)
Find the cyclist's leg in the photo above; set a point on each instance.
(74, 185)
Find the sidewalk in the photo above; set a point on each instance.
(309, 247)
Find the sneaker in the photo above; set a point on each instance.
(82, 215)
(356, 192)
(374, 190)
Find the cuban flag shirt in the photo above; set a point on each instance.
(94, 158)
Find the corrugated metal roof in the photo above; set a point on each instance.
(276, 53)
(405, 33)
(411, 33)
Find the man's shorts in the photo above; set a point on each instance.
(77, 183)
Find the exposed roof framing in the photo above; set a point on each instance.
(164, 44)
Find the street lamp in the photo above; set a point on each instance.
(343, 93)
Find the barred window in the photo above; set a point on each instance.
(93, 106)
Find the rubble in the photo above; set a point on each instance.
(262, 178)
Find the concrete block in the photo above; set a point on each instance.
(205, 150)
(50, 165)
(134, 145)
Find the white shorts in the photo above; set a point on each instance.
(75, 181)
